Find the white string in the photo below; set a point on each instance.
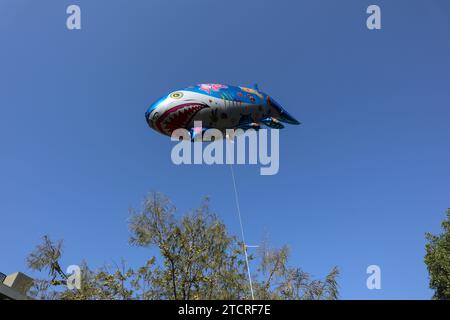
(242, 231)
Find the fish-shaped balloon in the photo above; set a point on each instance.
(217, 106)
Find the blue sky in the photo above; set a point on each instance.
(360, 182)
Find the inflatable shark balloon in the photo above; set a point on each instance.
(217, 106)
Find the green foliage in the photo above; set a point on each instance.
(46, 256)
(197, 259)
(437, 259)
(280, 281)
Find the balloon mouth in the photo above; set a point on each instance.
(178, 117)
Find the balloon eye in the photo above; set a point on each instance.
(176, 95)
(155, 116)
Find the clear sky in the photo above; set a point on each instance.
(360, 181)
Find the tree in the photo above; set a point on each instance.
(437, 259)
(281, 281)
(198, 259)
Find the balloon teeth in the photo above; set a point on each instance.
(180, 117)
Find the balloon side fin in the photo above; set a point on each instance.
(272, 123)
(255, 86)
